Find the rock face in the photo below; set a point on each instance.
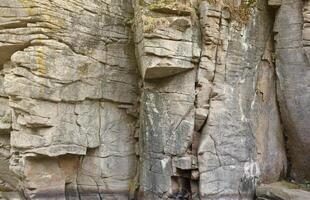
(70, 78)
(281, 190)
(292, 50)
(153, 99)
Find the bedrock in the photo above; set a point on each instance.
(154, 99)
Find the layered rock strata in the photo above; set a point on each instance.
(153, 99)
(70, 79)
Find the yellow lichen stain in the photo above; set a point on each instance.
(33, 10)
(42, 69)
(83, 70)
(28, 5)
(150, 23)
(240, 11)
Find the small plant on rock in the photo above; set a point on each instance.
(180, 7)
(151, 23)
(240, 13)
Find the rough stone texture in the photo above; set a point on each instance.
(293, 82)
(281, 190)
(267, 123)
(167, 104)
(70, 75)
(153, 99)
(241, 102)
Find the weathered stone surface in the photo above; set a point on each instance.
(8, 180)
(228, 162)
(153, 99)
(166, 46)
(200, 118)
(167, 125)
(274, 2)
(11, 196)
(267, 127)
(293, 83)
(67, 68)
(167, 104)
(281, 190)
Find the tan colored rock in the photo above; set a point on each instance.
(166, 46)
(292, 65)
(64, 60)
(281, 190)
(153, 99)
(274, 2)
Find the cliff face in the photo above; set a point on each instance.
(153, 99)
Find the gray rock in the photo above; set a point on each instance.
(153, 99)
(67, 66)
(292, 66)
(229, 163)
(11, 196)
(281, 190)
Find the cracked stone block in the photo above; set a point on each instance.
(200, 118)
(167, 46)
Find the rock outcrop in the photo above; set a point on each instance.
(154, 99)
(292, 51)
(281, 190)
(70, 78)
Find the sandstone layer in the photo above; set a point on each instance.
(154, 99)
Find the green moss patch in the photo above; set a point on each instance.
(175, 7)
(241, 13)
(151, 23)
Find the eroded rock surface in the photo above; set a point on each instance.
(153, 99)
(291, 28)
(70, 76)
(232, 156)
(281, 190)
